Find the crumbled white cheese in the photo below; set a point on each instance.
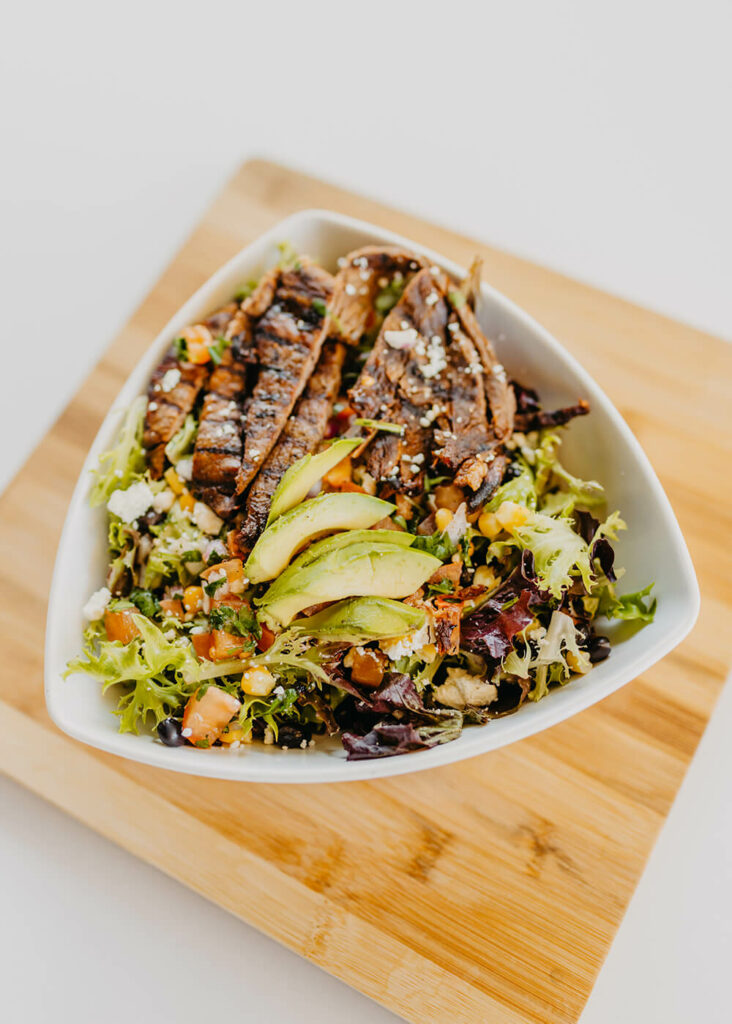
(436, 359)
(94, 607)
(171, 379)
(184, 468)
(406, 338)
(461, 689)
(132, 502)
(435, 271)
(350, 289)
(206, 519)
(430, 416)
(163, 501)
(406, 645)
(432, 299)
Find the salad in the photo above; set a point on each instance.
(334, 514)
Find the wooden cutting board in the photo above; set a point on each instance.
(484, 891)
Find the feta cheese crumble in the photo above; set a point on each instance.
(131, 503)
(94, 607)
(171, 379)
(206, 519)
(184, 468)
(404, 339)
(403, 646)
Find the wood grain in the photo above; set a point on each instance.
(489, 890)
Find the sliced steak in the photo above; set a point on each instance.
(288, 336)
(218, 450)
(403, 380)
(467, 446)
(300, 436)
(363, 276)
(498, 390)
(172, 393)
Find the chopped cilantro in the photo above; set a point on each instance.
(211, 588)
(216, 351)
(180, 347)
(320, 307)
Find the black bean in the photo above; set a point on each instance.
(599, 647)
(169, 731)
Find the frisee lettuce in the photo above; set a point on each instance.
(159, 675)
(123, 464)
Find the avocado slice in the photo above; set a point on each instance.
(293, 529)
(395, 538)
(300, 477)
(359, 570)
(359, 619)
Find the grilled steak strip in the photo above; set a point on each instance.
(363, 275)
(556, 418)
(467, 447)
(288, 337)
(498, 391)
(170, 401)
(403, 379)
(300, 436)
(218, 450)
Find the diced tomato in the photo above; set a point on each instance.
(202, 644)
(172, 606)
(234, 570)
(226, 645)
(121, 625)
(198, 341)
(207, 717)
(266, 639)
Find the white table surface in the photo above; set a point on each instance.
(594, 139)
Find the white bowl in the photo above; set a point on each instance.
(599, 446)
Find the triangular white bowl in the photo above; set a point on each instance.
(599, 446)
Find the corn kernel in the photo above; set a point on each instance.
(173, 481)
(443, 518)
(510, 515)
(187, 501)
(232, 736)
(579, 665)
(489, 526)
(485, 577)
(193, 599)
(257, 682)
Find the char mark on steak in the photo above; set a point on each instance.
(288, 335)
(174, 387)
(364, 276)
(300, 436)
(218, 449)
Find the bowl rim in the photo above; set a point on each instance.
(296, 769)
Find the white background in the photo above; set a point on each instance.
(592, 137)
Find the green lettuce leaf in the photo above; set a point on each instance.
(160, 675)
(631, 607)
(125, 463)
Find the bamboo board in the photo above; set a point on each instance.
(488, 890)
